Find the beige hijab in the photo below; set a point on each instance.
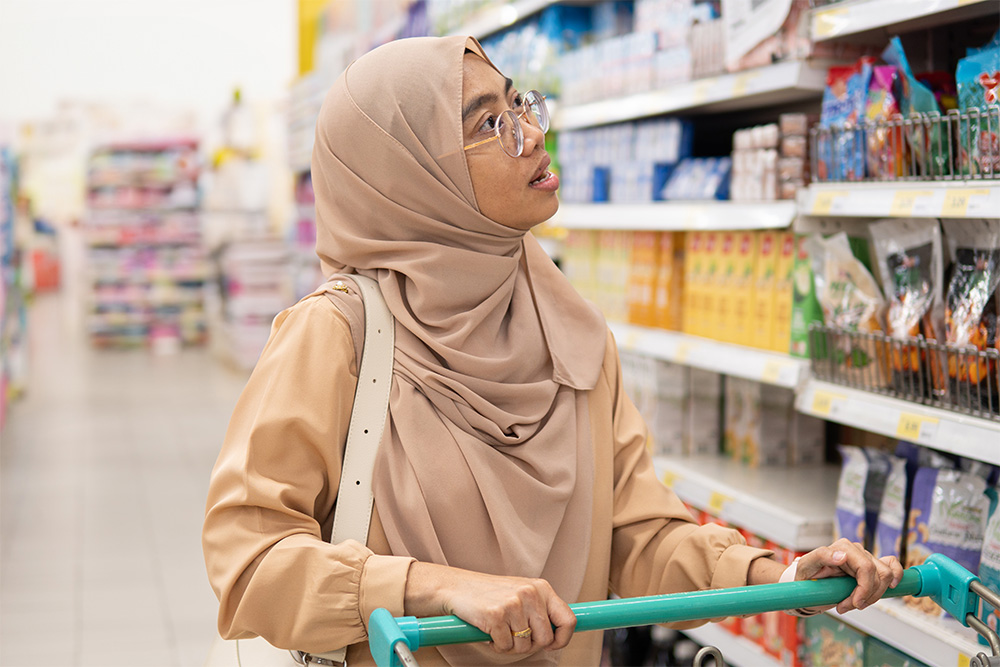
(487, 462)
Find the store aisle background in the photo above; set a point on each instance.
(105, 469)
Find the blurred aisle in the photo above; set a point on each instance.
(104, 468)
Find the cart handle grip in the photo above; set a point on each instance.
(940, 578)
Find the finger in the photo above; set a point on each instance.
(521, 632)
(564, 620)
(897, 570)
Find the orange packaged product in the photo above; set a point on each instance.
(762, 309)
(781, 331)
(694, 276)
(710, 285)
(726, 286)
(743, 292)
(670, 290)
(642, 277)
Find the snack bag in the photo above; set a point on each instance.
(989, 564)
(971, 308)
(892, 512)
(859, 493)
(908, 254)
(947, 516)
(841, 152)
(978, 80)
(929, 144)
(851, 300)
(885, 144)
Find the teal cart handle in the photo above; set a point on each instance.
(940, 578)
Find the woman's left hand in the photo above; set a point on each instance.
(843, 557)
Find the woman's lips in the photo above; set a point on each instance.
(548, 182)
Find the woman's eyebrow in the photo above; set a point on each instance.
(485, 98)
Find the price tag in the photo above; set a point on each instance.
(716, 502)
(669, 477)
(958, 202)
(772, 372)
(631, 340)
(827, 23)
(911, 425)
(903, 201)
(824, 402)
(823, 204)
(964, 660)
(740, 83)
(681, 352)
(702, 88)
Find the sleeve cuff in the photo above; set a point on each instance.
(731, 570)
(383, 584)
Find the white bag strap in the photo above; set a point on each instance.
(353, 511)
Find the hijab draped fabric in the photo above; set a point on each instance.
(487, 460)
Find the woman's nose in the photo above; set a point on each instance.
(533, 134)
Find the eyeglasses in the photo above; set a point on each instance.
(507, 128)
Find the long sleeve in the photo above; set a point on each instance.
(272, 491)
(656, 546)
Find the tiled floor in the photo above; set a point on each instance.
(104, 467)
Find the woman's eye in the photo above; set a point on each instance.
(488, 125)
(518, 101)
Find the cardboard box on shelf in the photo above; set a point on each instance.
(713, 274)
(670, 292)
(762, 308)
(643, 276)
(668, 423)
(734, 411)
(767, 435)
(829, 641)
(694, 278)
(704, 413)
(744, 287)
(781, 331)
(806, 439)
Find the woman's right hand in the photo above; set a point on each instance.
(499, 606)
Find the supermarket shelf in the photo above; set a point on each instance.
(662, 216)
(940, 429)
(765, 86)
(736, 360)
(957, 199)
(792, 507)
(500, 16)
(936, 641)
(860, 16)
(736, 650)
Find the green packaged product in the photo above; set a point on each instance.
(978, 80)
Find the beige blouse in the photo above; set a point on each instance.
(270, 505)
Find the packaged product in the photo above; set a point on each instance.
(841, 154)
(851, 301)
(712, 285)
(642, 277)
(989, 564)
(806, 439)
(702, 427)
(971, 308)
(893, 512)
(767, 438)
(885, 144)
(948, 511)
(734, 411)
(668, 311)
(762, 309)
(908, 255)
(694, 282)
(670, 396)
(796, 123)
(859, 492)
(829, 641)
(929, 144)
(880, 654)
(978, 80)
(743, 287)
(784, 271)
(806, 309)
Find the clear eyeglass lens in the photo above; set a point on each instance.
(539, 112)
(509, 131)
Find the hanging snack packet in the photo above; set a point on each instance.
(971, 310)
(978, 80)
(892, 512)
(885, 144)
(859, 492)
(851, 301)
(947, 516)
(841, 154)
(926, 139)
(989, 565)
(908, 254)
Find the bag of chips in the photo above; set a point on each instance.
(892, 512)
(908, 255)
(971, 310)
(851, 301)
(978, 80)
(885, 143)
(859, 492)
(989, 566)
(841, 150)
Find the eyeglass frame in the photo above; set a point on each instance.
(516, 124)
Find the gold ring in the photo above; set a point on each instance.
(523, 633)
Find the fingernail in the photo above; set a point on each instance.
(837, 555)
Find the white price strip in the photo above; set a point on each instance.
(772, 372)
(828, 201)
(965, 202)
(681, 352)
(911, 427)
(905, 202)
(826, 403)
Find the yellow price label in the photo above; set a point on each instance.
(631, 340)
(716, 502)
(964, 660)
(823, 402)
(741, 82)
(702, 88)
(956, 202)
(772, 372)
(823, 203)
(903, 201)
(681, 352)
(828, 22)
(669, 477)
(910, 425)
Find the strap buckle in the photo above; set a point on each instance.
(303, 658)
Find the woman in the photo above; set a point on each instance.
(513, 476)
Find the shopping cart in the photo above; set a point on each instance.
(958, 591)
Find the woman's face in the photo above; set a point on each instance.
(515, 192)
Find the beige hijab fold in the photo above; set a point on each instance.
(487, 462)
